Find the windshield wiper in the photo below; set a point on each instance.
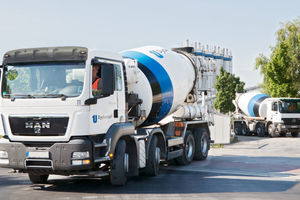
(12, 96)
(63, 97)
(30, 96)
(19, 95)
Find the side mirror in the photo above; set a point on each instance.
(274, 107)
(107, 80)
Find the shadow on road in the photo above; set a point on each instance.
(223, 172)
(169, 181)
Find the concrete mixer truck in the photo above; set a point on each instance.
(259, 114)
(145, 111)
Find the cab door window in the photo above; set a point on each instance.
(97, 76)
(118, 77)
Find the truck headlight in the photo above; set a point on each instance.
(281, 126)
(81, 162)
(3, 154)
(85, 154)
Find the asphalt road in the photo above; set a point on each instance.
(253, 168)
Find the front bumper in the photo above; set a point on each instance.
(282, 128)
(56, 157)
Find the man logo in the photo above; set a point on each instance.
(294, 120)
(37, 126)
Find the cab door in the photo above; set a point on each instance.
(274, 112)
(108, 109)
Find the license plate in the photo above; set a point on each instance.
(37, 154)
(293, 126)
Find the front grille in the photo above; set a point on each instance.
(291, 121)
(38, 126)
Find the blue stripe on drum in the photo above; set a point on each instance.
(163, 80)
(252, 104)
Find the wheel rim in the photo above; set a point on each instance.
(157, 155)
(126, 163)
(204, 144)
(236, 130)
(244, 130)
(270, 129)
(258, 131)
(189, 149)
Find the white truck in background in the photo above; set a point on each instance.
(147, 111)
(259, 114)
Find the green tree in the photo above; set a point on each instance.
(227, 85)
(281, 70)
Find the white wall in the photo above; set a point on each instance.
(220, 132)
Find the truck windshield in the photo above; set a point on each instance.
(289, 106)
(51, 80)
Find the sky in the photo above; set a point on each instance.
(246, 28)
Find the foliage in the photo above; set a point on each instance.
(217, 146)
(227, 85)
(12, 74)
(234, 139)
(17, 80)
(281, 70)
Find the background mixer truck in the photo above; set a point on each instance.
(53, 124)
(260, 114)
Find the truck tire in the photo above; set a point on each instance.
(294, 134)
(201, 144)
(244, 129)
(152, 163)
(271, 130)
(188, 150)
(237, 128)
(259, 130)
(38, 178)
(119, 165)
(282, 134)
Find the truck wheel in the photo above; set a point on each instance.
(119, 165)
(282, 134)
(259, 130)
(152, 163)
(237, 129)
(294, 134)
(38, 178)
(188, 150)
(201, 144)
(271, 130)
(244, 129)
